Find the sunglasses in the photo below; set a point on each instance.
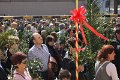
(25, 62)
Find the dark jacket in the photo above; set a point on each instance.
(3, 75)
(7, 65)
(116, 45)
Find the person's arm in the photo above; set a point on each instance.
(111, 71)
(97, 65)
(30, 55)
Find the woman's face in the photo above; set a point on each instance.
(118, 36)
(23, 64)
(15, 46)
(111, 56)
(1, 55)
(51, 43)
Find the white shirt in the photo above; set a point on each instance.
(18, 76)
(110, 70)
(1, 65)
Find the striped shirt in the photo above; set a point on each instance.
(41, 53)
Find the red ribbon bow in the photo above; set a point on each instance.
(78, 17)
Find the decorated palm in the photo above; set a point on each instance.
(104, 26)
(34, 66)
(4, 39)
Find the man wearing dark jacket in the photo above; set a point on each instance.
(3, 75)
(116, 45)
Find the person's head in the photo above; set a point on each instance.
(54, 34)
(37, 39)
(64, 75)
(14, 25)
(1, 55)
(117, 26)
(71, 42)
(117, 32)
(106, 53)
(49, 40)
(28, 26)
(34, 24)
(71, 32)
(2, 27)
(13, 42)
(43, 33)
(62, 26)
(19, 59)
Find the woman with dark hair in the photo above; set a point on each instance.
(19, 60)
(104, 68)
(54, 34)
(50, 44)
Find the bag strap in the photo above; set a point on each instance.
(101, 66)
(20, 75)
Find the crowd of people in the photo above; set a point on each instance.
(52, 42)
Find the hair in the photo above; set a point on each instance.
(104, 51)
(33, 38)
(118, 25)
(18, 57)
(117, 29)
(71, 42)
(69, 29)
(12, 40)
(13, 24)
(49, 38)
(34, 23)
(61, 26)
(54, 34)
(64, 74)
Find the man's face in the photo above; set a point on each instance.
(38, 39)
(1, 27)
(14, 25)
(1, 55)
(118, 35)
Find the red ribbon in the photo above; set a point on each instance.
(78, 16)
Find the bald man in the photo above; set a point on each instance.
(40, 51)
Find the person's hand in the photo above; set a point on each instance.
(36, 79)
(80, 68)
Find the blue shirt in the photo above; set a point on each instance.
(41, 53)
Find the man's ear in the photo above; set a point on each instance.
(33, 41)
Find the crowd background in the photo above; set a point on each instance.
(15, 35)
